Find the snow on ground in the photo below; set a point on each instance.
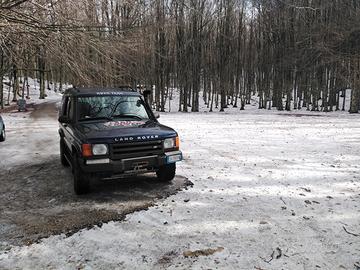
(25, 149)
(273, 190)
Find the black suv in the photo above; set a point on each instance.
(111, 133)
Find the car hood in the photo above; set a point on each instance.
(123, 131)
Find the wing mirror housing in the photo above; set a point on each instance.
(64, 119)
(147, 94)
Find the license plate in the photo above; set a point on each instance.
(140, 165)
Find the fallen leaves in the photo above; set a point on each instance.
(276, 254)
(306, 189)
(353, 234)
(168, 257)
(202, 252)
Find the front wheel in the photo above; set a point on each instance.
(2, 135)
(166, 173)
(81, 179)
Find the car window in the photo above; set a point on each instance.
(131, 107)
(70, 108)
(64, 106)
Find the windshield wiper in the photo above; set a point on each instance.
(127, 116)
(96, 118)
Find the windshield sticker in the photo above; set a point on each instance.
(124, 123)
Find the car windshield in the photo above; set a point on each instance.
(111, 107)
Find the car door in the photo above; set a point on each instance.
(68, 111)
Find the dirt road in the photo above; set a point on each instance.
(37, 198)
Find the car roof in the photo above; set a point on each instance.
(101, 91)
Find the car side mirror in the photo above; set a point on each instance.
(64, 119)
(146, 93)
(157, 115)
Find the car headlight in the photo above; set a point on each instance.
(99, 149)
(171, 143)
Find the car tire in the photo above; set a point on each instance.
(166, 173)
(81, 179)
(3, 135)
(63, 159)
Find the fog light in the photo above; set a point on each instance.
(174, 158)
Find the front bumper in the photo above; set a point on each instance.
(106, 167)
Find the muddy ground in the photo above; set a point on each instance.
(37, 198)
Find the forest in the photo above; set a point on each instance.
(249, 159)
(292, 54)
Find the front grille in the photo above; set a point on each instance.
(136, 149)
